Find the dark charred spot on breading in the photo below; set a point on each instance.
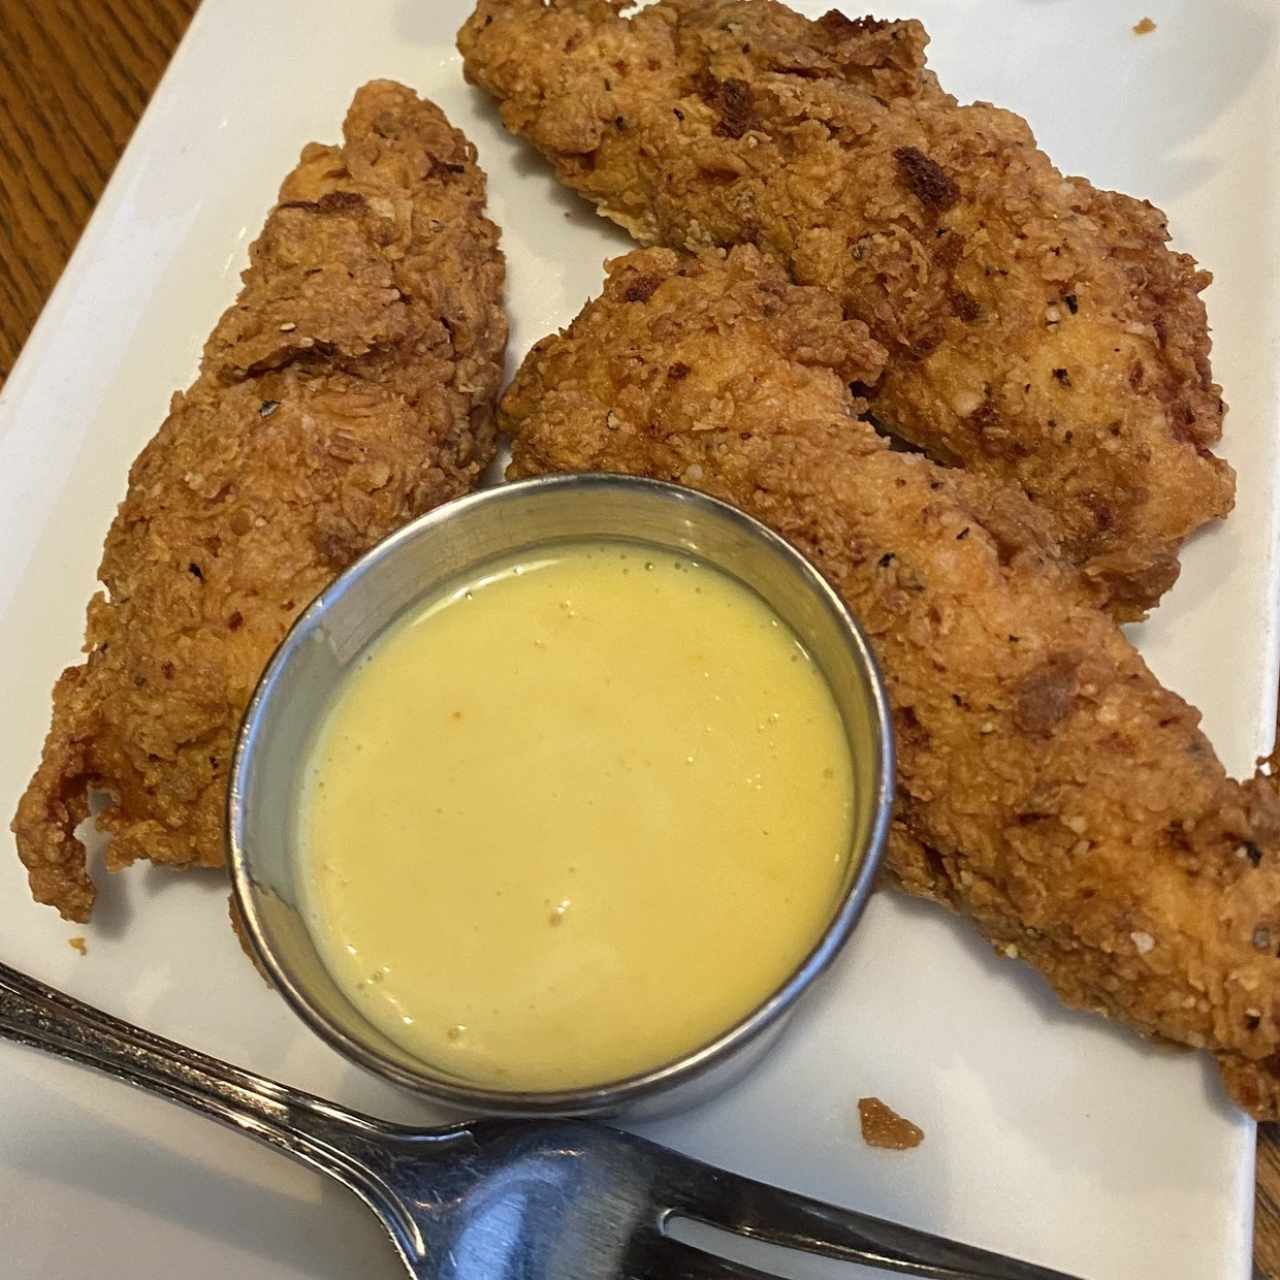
(678, 372)
(335, 547)
(982, 420)
(1073, 303)
(334, 202)
(791, 66)
(442, 168)
(642, 288)
(1045, 695)
(925, 344)
(1183, 427)
(926, 179)
(723, 177)
(963, 306)
(948, 250)
(1063, 377)
(907, 728)
(838, 25)
(732, 100)
(737, 107)
(1104, 516)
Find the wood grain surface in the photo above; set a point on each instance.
(74, 78)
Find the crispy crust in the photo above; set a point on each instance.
(1037, 329)
(1048, 786)
(349, 388)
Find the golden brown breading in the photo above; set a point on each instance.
(1037, 329)
(349, 388)
(1047, 785)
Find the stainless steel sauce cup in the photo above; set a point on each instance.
(441, 547)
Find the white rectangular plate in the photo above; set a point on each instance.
(1049, 1134)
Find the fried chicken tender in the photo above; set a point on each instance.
(1036, 329)
(1048, 787)
(349, 388)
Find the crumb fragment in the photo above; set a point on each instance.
(1144, 28)
(78, 944)
(882, 1126)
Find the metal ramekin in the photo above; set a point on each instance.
(443, 546)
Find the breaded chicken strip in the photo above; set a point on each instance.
(1037, 329)
(1048, 787)
(349, 388)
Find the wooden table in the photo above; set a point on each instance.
(74, 78)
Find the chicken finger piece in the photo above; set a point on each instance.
(1048, 786)
(1037, 329)
(349, 388)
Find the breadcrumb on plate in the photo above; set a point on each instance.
(883, 1127)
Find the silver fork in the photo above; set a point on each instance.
(497, 1200)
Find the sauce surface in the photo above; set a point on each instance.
(574, 819)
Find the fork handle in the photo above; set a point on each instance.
(320, 1134)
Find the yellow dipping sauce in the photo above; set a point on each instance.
(576, 818)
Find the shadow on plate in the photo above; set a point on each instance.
(302, 1225)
